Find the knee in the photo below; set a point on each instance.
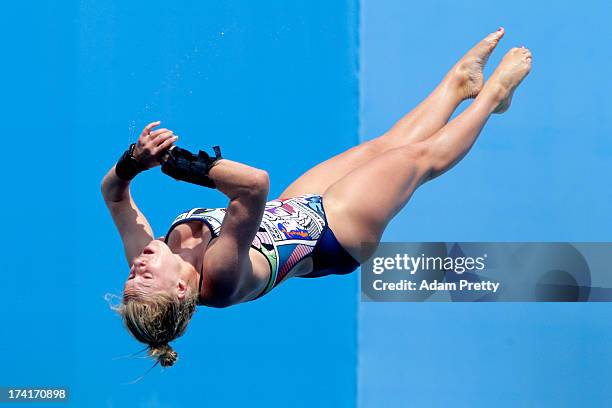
(421, 156)
(431, 159)
(420, 151)
(375, 147)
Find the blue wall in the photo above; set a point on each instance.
(274, 84)
(38, 276)
(81, 79)
(540, 172)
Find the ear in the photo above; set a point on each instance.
(181, 289)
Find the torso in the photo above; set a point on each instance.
(289, 230)
(191, 239)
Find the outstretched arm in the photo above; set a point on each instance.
(131, 223)
(226, 262)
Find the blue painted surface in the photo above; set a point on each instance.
(540, 172)
(274, 84)
(38, 276)
(81, 78)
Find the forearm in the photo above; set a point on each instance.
(113, 188)
(131, 223)
(239, 180)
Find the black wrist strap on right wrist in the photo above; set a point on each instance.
(128, 167)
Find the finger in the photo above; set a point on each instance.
(166, 144)
(158, 132)
(150, 126)
(160, 138)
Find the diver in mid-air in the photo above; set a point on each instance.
(223, 256)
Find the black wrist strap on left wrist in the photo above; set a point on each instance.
(128, 167)
(181, 164)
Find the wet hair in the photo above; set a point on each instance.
(156, 319)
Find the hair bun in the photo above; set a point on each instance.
(164, 354)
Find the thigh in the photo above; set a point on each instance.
(318, 179)
(360, 205)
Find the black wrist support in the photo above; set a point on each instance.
(181, 164)
(128, 167)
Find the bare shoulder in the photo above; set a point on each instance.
(188, 235)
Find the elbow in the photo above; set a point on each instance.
(260, 183)
(104, 188)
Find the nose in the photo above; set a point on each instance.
(140, 268)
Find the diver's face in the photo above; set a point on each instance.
(156, 269)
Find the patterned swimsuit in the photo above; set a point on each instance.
(291, 230)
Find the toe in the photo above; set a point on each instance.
(498, 34)
(493, 38)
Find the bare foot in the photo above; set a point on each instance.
(467, 74)
(507, 76)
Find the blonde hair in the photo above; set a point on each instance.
(156, 320)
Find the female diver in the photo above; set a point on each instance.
(221, 257)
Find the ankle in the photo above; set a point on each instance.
(491, 96)
(452, 89)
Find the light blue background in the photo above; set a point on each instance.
(540, 172)
(80, 80)
(275, 84)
